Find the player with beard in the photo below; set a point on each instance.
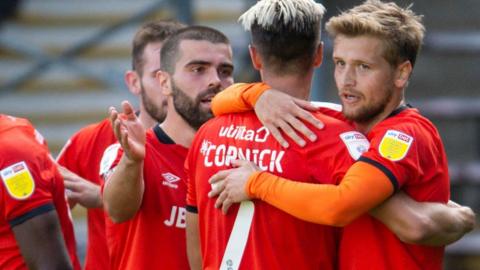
(145, 180)
(375, 48)
(82, 153)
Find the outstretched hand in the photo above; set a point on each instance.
(280, 112)
(229, 185)
(129, 131)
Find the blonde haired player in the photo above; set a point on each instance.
(375, 49)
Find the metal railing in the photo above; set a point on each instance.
(181, 9)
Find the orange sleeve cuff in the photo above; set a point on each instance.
(362, 188)
(239, 97)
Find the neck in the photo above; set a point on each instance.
(295, 85)
(365, 127)
(177, 128)
(145, 118)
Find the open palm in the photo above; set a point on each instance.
(129, 131)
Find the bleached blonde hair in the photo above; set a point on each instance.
(400, 29)
(285, 32)
(298, 14)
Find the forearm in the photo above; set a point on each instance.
(41, 242)
(239, 97)
(433, 224)
(446, 226)
(123, 191)
(193, 242)
(321, 203)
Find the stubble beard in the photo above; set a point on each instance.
(158, 114)
(369, 111)
(190, 109)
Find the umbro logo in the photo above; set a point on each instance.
(170, 179)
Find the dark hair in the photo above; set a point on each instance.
(169, 51)
(156, 31)
(285, 50)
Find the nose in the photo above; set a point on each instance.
(348, 76)
(214, 79)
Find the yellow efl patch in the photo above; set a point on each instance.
(395, 145)
(18, 181)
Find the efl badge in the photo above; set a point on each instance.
(356, 143)
(18, 180)
(395, 145)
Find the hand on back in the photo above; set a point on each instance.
(280, 112)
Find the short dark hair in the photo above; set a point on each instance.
(283, 50)
(169, 51)
(285, 33)
(156, 31)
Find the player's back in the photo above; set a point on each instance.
(31, 185)
(409, 148)
(276, 239)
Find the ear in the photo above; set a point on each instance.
(132, 80)
(403, 72)
(256, 59)
(318, 57)
(163, 79)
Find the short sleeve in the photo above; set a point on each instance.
(27, 185)
(394, 151)
(68, 155)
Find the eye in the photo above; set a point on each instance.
(225, 72)
(197, 69)
(364, 67)
(339, 63)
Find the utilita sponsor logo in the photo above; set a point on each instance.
(242, 133)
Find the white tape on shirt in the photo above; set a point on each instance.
(238, 237)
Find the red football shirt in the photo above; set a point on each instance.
(81, 155)
(275, 239)
(31, 186)
(408, 149)
(155, 237)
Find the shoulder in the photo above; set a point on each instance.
(328, 106)
(338, 136)
(12, 121)
(98, 135)
(396, 136)
(225, 120)
(18, 142)
(407, 124)
(93, 130)
(332, 122)
(15, 124)
(331, 109)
